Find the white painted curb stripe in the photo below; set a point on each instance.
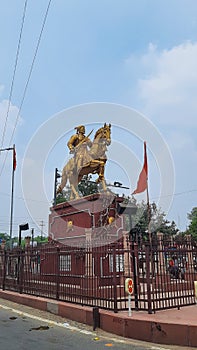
(73, 328)
(59, 324)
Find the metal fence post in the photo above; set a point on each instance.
(96, 318)
(134, 255)
(114, 280)
(4, 269)
(21, 270)
(148, 261)
(57, 272)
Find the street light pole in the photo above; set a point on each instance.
(12, 188)
(12, 195)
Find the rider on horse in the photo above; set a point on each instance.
(89, 158)
(78, 144)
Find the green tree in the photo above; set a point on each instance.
(87, 186)
(192, 229)
(41, 239)
(63, 197)
(4, 236)
(158, 221)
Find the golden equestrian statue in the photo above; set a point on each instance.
(88, 157)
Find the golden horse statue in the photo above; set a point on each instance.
(95, 162)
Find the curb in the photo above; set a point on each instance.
(121, 325)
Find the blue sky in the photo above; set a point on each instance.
(141, 54)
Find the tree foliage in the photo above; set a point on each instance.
(63, 197)
(192, 229)
(87, 186)
(157, 219)
(4, 236)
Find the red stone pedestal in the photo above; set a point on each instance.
(71, 222)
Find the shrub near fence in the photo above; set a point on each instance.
(95, 276)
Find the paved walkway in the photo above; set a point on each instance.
(172, 327)
(186, 315)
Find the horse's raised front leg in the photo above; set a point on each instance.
(101, 177)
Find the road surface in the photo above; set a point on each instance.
(23, 328)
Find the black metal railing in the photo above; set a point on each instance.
(163, 273)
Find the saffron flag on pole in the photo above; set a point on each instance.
(142, 183)
(14, 159)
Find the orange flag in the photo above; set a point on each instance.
(143, 177)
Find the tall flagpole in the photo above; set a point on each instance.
(12, 194)
(147, 195)
(149, 214)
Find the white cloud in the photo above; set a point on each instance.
(167, 83)
(11, 120)
(165, 91)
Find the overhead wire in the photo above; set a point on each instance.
(25, 199)
(28, 80)
(14, 72)
(175, 194)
